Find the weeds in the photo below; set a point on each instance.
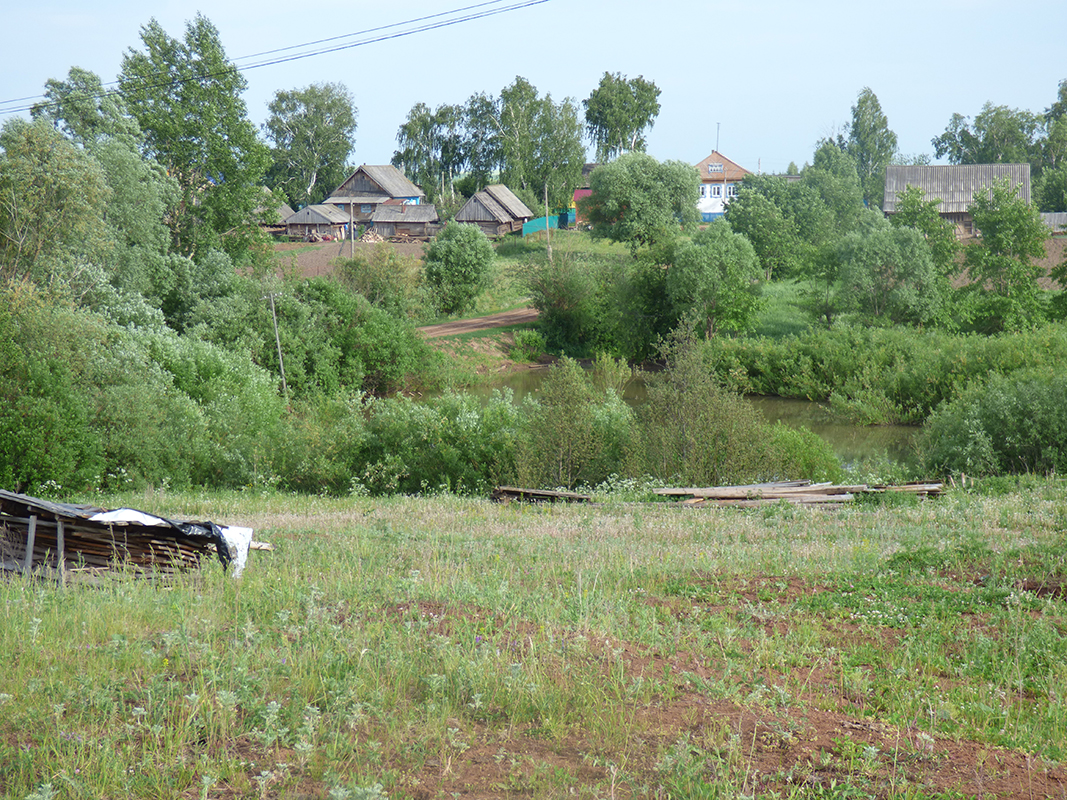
(408, 647)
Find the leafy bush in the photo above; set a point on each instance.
(451, 443)
(566, 292)
(1012, 424)
(457, 265)
(881, 375)
(698, 432)
(528, 345)
(579, 431)
(386, 278)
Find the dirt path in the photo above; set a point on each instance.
(518, 316)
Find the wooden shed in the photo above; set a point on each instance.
(317, 221)
(956, 186)
(496, 210)
(416, 222)
(370, 187)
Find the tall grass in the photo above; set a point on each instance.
(418, 647)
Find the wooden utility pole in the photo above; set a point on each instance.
(278, 342)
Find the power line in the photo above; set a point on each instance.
(429, 26)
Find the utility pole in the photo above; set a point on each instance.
(278, 342)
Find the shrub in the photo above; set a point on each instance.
(457, 265)
(577, 432)
(386, 278)
(1011, 424)
(528, 345)
(451, 443)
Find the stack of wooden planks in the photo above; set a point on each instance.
(66, 540)
(795, 492)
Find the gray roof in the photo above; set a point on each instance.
(392, 181)
(955, 185)
(358, 199)
(426, 212)
(499, 202)
(503, 195)
(321, 214)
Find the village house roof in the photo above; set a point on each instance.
(497, 203)
(955, 185)
(717, 168)
(424, 212)
(373, 183)
(321, 214)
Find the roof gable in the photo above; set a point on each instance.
(955, 185)
(384, 180)
(496, 203)
(717, 168)
(321, 214)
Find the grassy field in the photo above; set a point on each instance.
(448, 647)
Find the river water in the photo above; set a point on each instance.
(850, 442)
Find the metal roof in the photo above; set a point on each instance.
(507, 198)
(955, 185)
(321, 214)
(424, 212)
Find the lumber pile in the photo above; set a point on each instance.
(507, 494)
(795, 492)
(65, 540)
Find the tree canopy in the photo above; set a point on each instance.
(618, 112)
(186, 97)
(640, 201)
(312, 132)
(872, 146)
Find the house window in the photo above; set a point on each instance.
(366, 208)
(703, 190)
(716, 191)
(715, 168)
(731, 190)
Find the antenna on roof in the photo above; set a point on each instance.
(717, 124)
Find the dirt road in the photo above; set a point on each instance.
(519, 316)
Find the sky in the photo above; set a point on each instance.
(762, 81)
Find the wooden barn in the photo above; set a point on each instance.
(496, 210)
(317, 221)
(416, 222)
(956, 186)
(370, 187)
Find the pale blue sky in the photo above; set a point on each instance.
(771, 77)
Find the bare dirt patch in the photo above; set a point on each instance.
(518, 316)
(812, 738)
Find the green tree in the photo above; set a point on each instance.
(888, 272)
(641, 201)
(915, 211)
(53, 197)
(1001, 260)
(457, 265)
(773, 235)
(312, 132)
(998, 135)
(186, 97)
(618, 112)
(871, 145)
(141, 193)
(557, 158)
(715, 279)
(481, 139)
(519, 105)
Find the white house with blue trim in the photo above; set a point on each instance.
(719, 179)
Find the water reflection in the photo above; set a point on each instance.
(850, 442)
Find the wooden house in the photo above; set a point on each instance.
(956, 186)
(719, 179)
(417, 222)
(317, 221)
(496, 210)
(370, 187)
